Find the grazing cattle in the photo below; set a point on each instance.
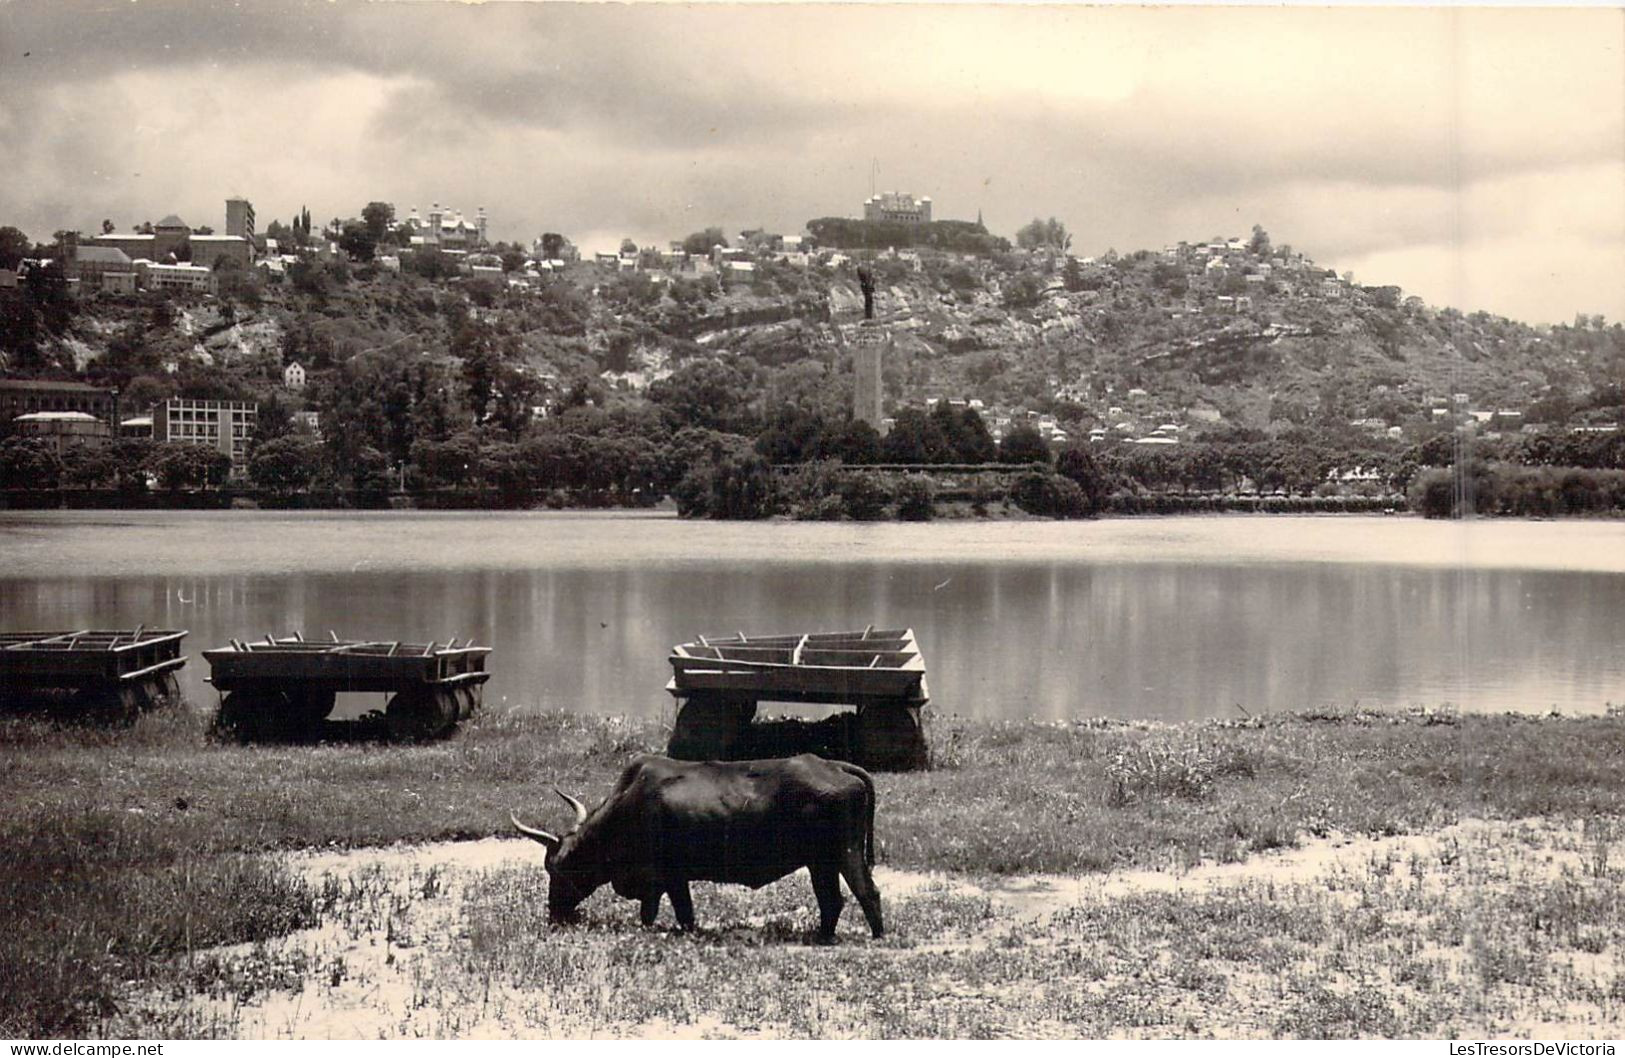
(668, 823)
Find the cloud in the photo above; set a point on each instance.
(1372, 135)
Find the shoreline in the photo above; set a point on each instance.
(164, 848)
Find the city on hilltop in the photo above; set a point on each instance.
(890, 364)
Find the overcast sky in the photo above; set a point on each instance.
(1474, 157)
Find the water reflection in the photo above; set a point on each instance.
(1049, 638)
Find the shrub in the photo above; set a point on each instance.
(1433, 493)
(864, 496)
(735, 486)
(1049, 495)
(811, 492)
(916, 499)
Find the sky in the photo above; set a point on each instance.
(1474, 157)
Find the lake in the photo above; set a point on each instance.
(1167, 618)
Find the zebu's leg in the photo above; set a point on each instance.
(855, 869)
(682, 904)
(826, 882)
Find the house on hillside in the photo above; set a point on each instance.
(293, 376)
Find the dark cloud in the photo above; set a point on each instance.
(1350, 131)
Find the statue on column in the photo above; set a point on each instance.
(866, 280)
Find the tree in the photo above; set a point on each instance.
(1023, 291)
(629, 248)
(552, 245)
(473, 344)
(286, 464)
(454, 461)
(700, 243)
(180, 465)
(1045, 493)
(967, 434)
(357, 240)
(431, 264)
(742, 487)
(107, 227)
(14, 246)
(1044, 235)
(915, 438)
(1077, 464)
(853, 441)
(1023, 445)
(1260, 243)
(379, 217)
(706, 393)
(273, 421)
(28, 463)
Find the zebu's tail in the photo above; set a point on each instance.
(869, 807)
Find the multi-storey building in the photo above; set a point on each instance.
(896, 207)
(63, 429)
(224, 425)
(240, 218)
(177, 277)
(209, 250)
(98, 267)
(28, 396)
(445, 229)
(172, 235)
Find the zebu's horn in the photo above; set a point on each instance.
(549, 842)
(580, 809)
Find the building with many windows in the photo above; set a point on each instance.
(21, 396)
(98, 267)
(447, 229)
(224, 425)
(896, 207)
(240, 219)
(63, 429)
(176, 277)
(209, 250)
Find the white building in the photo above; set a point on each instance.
(445, 228)
(177, 277)
(293, 376)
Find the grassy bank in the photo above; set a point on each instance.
(121, 850)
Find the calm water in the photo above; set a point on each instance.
(1165, 618)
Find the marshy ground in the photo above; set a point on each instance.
(1309, 876)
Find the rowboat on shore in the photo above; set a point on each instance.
(879, 672)
(93, 669)
(820, 667)
(277, 685)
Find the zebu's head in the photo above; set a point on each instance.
(569, 880)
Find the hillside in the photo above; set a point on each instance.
(1214, 336)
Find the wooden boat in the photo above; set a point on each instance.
(280, 683)
(852, 668)
(134, 667)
